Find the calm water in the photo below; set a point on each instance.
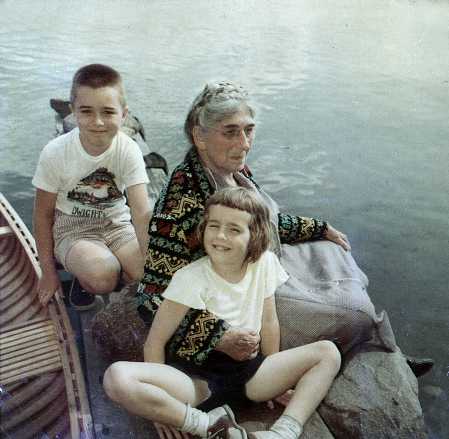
(353, 100)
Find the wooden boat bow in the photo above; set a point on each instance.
(42, 387)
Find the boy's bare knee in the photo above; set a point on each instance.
(101, 277)
(132, 276)
(132, 270)
(100, 285)
(98, 271)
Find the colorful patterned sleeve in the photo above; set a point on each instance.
(293, 229)
(173, 245)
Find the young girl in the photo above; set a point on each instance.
(236, 281)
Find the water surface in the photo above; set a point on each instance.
(353, 110)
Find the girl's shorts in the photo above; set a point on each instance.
(225, 377)
(68, 229)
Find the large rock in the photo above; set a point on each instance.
(375, 397)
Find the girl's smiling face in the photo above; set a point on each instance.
(226, 237)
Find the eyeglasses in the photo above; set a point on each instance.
(236, 133)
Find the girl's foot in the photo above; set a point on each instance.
(285, 427)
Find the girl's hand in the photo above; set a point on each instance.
(283, 399)
(47, 287)
(338, 237)
(168, 432)
(239, 343)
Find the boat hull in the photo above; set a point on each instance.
(42, 389)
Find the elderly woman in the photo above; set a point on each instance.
(325, 296)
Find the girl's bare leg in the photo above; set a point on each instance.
(311, 369)
(153, 391)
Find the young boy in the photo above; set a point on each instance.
(81, 217)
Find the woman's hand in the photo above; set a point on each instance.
(239, 343)
(47, 287)
(339, 238)
(168, 432)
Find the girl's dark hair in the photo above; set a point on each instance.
(97, 76)
(248, 201)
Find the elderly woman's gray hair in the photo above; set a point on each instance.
(216, 102)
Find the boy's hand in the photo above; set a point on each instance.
(47, 287)
(239, 343)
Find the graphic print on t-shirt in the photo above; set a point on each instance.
(97, 190)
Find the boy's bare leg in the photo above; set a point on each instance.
(131, 260)
(311, 369)
(157, 392)
(94, 265)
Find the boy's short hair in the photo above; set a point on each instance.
(248, 201)
(97, 76)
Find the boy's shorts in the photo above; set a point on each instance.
(68, 229)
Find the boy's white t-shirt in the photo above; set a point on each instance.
(90, 186)
(240, 304)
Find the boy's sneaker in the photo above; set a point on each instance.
(79, 298)
(223, 425)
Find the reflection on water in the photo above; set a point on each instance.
(352, 102)
(307, 170)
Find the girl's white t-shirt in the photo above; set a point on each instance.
(240, 304)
